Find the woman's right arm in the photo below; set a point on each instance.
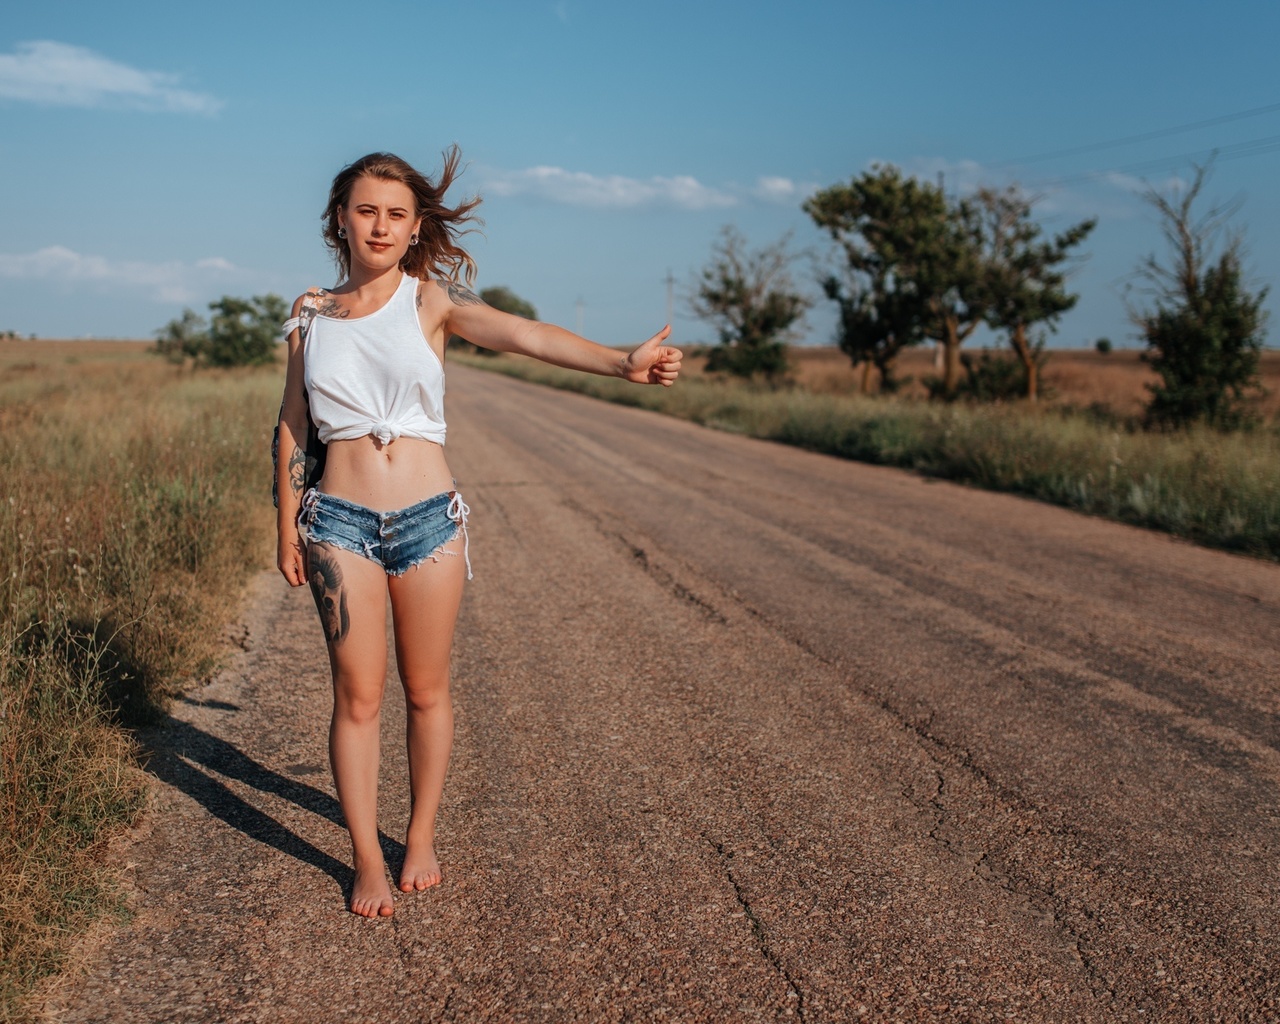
(291, 462)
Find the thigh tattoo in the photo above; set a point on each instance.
(325, 578)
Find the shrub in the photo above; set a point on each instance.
(241, 332)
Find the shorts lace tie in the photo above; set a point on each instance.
(307, 509)
(458, 511)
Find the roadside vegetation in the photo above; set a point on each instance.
(135, 504)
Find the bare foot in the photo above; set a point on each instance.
(371, 895)
(421, 869)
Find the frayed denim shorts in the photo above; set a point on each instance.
(397, 540)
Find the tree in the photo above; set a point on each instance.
(878, 220)
(1206, 332)
(244, 333)
(182, 339)
(240, 332)
(503, 298)
(751, 300)
(956, 280)
(1025, 285)
(913, 266)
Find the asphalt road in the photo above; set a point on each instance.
(744, 733)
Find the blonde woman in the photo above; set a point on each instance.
(366, 366)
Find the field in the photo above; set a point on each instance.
(1078, 378)
(135, 500)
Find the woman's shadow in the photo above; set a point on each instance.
(183, 756)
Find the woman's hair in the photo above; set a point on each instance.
(437, 249)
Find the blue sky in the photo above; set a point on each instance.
(158, 155)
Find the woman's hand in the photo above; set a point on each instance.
(653, 362)
(291, 558)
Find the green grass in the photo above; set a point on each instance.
(136, 499)
(1221, 490)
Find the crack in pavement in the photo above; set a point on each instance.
(757, 928)
(640, 556)
(941, 753)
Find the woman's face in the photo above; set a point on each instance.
(379, 222)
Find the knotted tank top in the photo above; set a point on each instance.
(373, 374)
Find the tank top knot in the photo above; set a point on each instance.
(375, 375)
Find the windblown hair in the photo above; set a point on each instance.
(437, 250)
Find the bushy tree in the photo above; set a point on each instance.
(1026, 277)
(913, 267)
(881, 221)
(240, 332)
(1206, 331)
(182, 339)
(244, 332)
(503, 298)
(750, 298)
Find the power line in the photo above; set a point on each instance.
(1145, 136)
(1233, 151)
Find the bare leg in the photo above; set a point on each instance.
(424, 607)
(350, 593)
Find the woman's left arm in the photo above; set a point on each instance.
(468, 316)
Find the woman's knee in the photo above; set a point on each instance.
(426, 692)
(357, 701)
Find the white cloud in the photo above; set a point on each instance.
(561, 11)
(173, 281)
(58, 74)
(782, 190)
(578, 188)
(1107, 194)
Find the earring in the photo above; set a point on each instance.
(342, 232)
(413, 239)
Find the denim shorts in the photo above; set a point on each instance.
(397, 540)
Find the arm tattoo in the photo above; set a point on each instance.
(325, 578)
(459, 295)
(297, 469)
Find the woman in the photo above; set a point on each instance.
(366, 362)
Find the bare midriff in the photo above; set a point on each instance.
(385, 477)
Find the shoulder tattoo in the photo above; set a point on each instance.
(327, 305)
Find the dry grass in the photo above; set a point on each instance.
(135, 500)
(1073, 378)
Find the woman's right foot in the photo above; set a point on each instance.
(371, 894)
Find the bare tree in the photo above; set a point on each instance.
(750, 298)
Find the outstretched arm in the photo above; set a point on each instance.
(651, 362)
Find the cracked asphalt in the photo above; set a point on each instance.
(743, 733)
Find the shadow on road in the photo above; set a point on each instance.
(184, 757)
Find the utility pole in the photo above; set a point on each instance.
(671, 286)
(579, 306)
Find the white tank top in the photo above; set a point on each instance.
(374, 374)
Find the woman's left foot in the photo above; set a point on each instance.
(421, 869)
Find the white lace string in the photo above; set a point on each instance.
(458, 511)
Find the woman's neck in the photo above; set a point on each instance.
(366, 284)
